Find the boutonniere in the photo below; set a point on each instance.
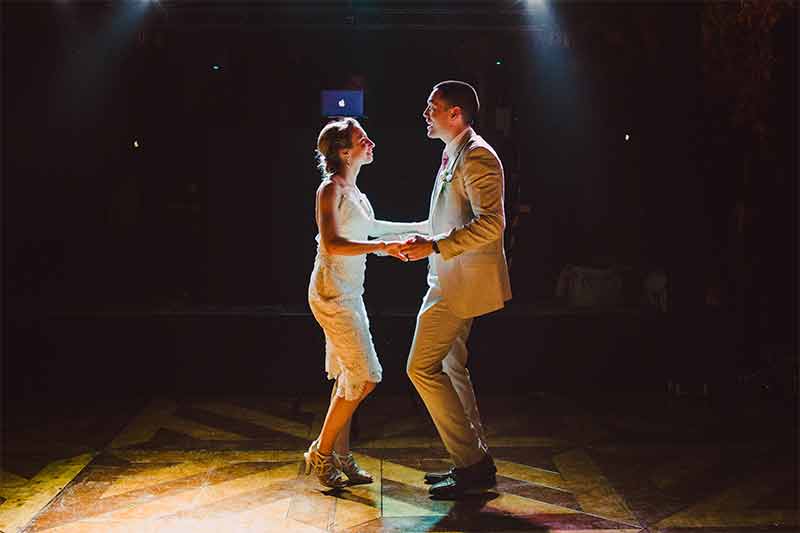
(447, 177)
(448, 174)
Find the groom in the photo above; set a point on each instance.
(467, 277)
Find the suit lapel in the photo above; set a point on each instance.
(434, 194)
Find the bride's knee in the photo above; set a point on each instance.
(369, 386)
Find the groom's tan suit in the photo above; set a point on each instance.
(468, 278)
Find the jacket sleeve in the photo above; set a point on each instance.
(483, 183)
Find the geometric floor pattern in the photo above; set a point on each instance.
(234, 464)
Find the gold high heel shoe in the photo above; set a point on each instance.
(355, 474)
(325, 467)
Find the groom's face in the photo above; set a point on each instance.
(436, 115)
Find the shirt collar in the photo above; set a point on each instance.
(450, 148)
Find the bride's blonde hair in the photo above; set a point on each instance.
(335, 136)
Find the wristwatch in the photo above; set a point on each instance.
(435, 247)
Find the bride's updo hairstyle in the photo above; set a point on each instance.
(335, 136)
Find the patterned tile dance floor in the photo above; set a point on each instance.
(231, 464)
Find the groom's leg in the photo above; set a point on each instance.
(437, 329)
(455, 366)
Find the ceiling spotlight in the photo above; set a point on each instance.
(136, 144)
(627, 137)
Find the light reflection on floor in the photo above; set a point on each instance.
(234, 464)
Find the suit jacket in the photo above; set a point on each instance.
(467, 219)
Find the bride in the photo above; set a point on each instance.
(345, 220)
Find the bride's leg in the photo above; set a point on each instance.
(342, 443)
(327, 414)
(338, 416)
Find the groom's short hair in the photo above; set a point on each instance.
(461, 94)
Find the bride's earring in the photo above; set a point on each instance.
(347, 160)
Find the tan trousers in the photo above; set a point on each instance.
(437, 368)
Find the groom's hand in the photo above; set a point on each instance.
(393, 248)
(416, 248)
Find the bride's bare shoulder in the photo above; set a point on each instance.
(329, 189)
(335, 183)
(328, 184)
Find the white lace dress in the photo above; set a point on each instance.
(335, 296)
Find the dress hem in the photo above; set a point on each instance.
(351, 391)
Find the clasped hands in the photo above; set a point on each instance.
(413, 249)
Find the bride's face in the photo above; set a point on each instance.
(361, 151)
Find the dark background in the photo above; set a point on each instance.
(141, 269)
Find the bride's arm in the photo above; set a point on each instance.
(331, 240)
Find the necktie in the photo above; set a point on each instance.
(445, 159)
